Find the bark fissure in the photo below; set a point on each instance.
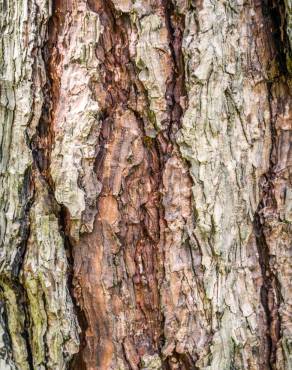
(267, 293)
(268, 215)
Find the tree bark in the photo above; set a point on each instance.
(146, 184)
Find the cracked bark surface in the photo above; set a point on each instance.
(146, 186)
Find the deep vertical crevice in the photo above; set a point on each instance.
(22, 301)
(267, 292)
(274, 16)
(176, 92)
(26, 197)
(176, 97)
(267, 212)
(276, 11)
(76, 361)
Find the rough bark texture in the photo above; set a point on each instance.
(146, 185)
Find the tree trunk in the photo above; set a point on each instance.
(146, 184)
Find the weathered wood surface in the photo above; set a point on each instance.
(146, 185)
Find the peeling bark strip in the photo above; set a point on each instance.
(146, 185)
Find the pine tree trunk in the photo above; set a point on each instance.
(146, 184)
